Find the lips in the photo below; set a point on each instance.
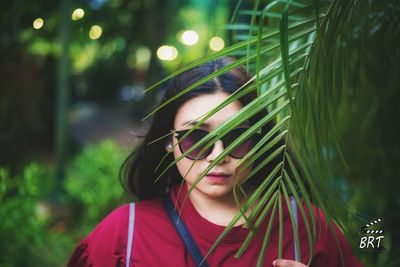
(218, 174)
(218, 178)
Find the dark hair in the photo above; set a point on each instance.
(137, 173)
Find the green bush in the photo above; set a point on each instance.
(22, 224)
(38, 228)
(92, 183)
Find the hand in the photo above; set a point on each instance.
(287, 263)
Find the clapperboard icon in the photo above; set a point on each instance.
(373, 237)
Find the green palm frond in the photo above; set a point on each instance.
(291, 48)
(272, 81)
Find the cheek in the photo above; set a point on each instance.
(185, 164)
(240, 171)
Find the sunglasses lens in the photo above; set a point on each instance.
(199, 153)
(190, 140)
(242, 149)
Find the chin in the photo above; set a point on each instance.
(217, 191)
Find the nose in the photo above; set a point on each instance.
(217, 150)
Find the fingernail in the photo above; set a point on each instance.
(273, 263)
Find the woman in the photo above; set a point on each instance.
(150, 238)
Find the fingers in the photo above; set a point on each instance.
(287, 263)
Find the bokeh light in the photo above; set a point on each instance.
(167, 52)
(95, 32)
(143, 56)
(190, 37)
(217, 43)
(38, 23)
(78, 14)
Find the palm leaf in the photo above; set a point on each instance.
(284, 57)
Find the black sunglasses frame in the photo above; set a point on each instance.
(206, 153)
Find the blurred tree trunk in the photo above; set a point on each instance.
(153, 21)
(62, 95)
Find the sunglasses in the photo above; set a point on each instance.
(200, 153)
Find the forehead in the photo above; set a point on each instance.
(196, 107)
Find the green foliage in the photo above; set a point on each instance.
(37, 230)
(92, 182)
(327, 71)
(351, 91)
(21, 220)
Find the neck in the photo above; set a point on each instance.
(218, 210)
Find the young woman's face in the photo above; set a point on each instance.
(220, 180)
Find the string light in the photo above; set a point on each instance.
(78, 14)
(190, 37)
(95, 32)
(217, 43)
(167, 52)
(38, 23)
